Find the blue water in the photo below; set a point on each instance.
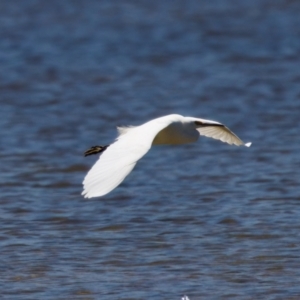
(208, 220)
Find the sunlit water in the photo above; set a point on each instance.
(207, 220)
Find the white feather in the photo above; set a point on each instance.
(124, 129)
(118, 160)
(220, 132)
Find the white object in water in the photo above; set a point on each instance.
(118, 159)
(185, 298)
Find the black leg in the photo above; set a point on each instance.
(95, 150)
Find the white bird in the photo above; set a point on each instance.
(118, 159)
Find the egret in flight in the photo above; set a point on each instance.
(118, 159)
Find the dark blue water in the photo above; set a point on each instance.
(208, 220)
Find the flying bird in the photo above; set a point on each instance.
(118, 159)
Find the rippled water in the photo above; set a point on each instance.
(207, 220)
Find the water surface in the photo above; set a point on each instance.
(208, 220)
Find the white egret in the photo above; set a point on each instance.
(118, 159)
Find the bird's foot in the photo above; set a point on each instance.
(95, 150)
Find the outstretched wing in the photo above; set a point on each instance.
(219, 131)
(118, 160)
(115, 163)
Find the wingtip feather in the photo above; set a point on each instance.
(248, 144)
